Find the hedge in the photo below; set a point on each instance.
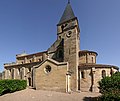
(9, 86)
(110, 88)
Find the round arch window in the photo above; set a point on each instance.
(103, 73)
(47, 69)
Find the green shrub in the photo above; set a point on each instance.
(110, 97)
(110, 88)
(9, 86)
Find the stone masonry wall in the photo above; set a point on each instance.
(55, 80)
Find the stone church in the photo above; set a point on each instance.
(63, 67)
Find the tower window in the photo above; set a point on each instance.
(59, 37)
(63, 26)
(103, 73)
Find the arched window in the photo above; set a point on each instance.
(39, 59)
(82, 74)
(29, 69)
(18, 71)
(111, 72)
(103, 73)
(9, 70)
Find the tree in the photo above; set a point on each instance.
(110, 88)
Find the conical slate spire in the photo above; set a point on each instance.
(68, 13)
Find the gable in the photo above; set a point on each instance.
(51, 76)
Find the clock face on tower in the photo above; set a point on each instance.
(69, 34)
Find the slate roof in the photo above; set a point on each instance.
(87, 65)
(68, 14)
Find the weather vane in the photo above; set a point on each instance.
(68, 1)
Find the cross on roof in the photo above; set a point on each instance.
(68, 1)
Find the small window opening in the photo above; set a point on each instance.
(92, 60)
(19, 69)
(59, 37)
(111, 72)
(82, 74)
(29, 69)
(30, 61)
(103, 73)
(39, 60)
(10, 70)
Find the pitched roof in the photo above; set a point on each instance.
(68, 14)
(91, 65)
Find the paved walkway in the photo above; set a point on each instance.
(39, 95)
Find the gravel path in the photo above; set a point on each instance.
(39, 95)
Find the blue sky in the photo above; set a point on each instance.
(30, 25)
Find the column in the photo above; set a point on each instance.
(68, 81)
(25, 59)
(44, 56)
(34, 58)
(13, 73)
(23, 73)
(33, 77)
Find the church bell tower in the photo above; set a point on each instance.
(68, 30)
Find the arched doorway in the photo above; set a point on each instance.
(29, 81)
